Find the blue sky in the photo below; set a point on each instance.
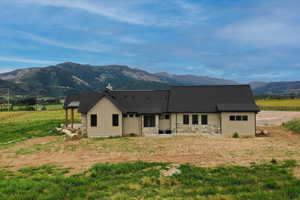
(241, 40)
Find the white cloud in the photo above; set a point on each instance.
(25, 60)
(138, 12)
(97, 48)
(262, 33)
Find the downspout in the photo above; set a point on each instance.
(141, 121)
(221, 123)
(176, 123)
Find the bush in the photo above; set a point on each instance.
(44, 108)
(293, 125)
(236, 135)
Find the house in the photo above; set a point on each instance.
(221, 109)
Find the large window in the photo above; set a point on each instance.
(238, 118)
(186, 119)
(195, 119)
(204, 120)
(149, 121)
(93, 120)
(115, 120)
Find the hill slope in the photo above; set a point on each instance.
(279, 88)
(70, 77)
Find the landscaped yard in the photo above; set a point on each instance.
(257, 179)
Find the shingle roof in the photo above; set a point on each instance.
(206, 98)
(142, 101)
(223, 98)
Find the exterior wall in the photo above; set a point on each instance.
(243, 128)
(149, 131)
(213, 126)
(104, 110)
(164, 124)
(84, 123)
(132, 125)
(173, 122)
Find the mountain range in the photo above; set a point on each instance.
(59, 80)
(65, 78)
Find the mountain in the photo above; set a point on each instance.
(195, 80)
(69, 77)
(257, 84)
(278, 88)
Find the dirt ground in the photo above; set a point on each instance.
(275, 118)
(201, 151)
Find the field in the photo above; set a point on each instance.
(36, 107)
(279, 104)
(140, 180)
(16, 126)
(43, 165)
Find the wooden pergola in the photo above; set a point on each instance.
(71, 106)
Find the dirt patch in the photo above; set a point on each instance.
(200, 151)
(275, 118)
(297, 171)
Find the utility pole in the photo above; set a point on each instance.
(8, 99)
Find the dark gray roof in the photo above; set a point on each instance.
(142, 101)
(206, 98)
(223, 98)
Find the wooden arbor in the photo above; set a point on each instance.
(71, 106)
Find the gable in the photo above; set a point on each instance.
(104, 104)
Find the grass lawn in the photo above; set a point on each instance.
(141, 180)
(279, 104)
(28, 124)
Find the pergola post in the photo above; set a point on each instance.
(66, 123)
(72, 115)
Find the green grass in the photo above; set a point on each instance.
(279, 104)
(18, 126)
(293, 125)
(38, 107)
(12, 131)
(141, 180)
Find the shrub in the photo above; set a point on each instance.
(293, 125)
(236, 135)
(44, 108)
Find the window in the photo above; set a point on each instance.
(115, 120)
(245, 118)
(167, 116)
(93, 120)
(195, 119)
(131, 115)
(204, 119)
(124, 115)
(186, 119)
(137, 115)
(149, 121)
(232, 118)
(238, 118)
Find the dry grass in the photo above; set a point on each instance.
(200, 151)
(26, 116)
